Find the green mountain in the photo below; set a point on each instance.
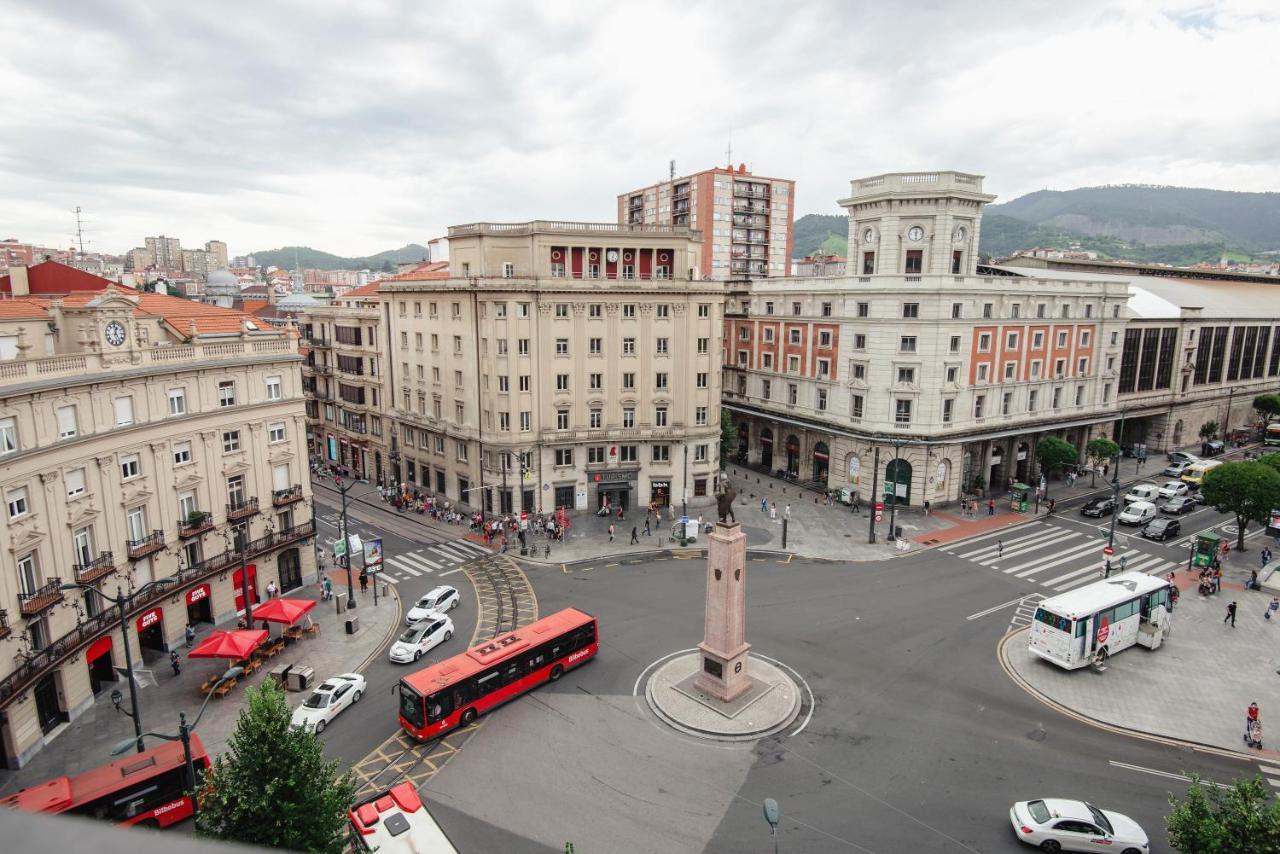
(318, 260)
(820, 233)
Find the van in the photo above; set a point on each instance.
(1142, 492)
(1196, 471)
(1137, 513)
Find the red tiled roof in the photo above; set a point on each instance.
(415, 276)
(49, 278)
(21, 308)
(179, 313)
(369, 290)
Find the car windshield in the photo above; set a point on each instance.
(317, 701)
(1038, 811)
(427, 602)
(1101, 819)
(411, 636)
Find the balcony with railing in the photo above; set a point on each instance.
(751, 191)
(5, 631)
(283, 497)
(319, 341)
(88, 573)
(196, 523)
(42, 599)
(138, 549)
(37, 665)
(245, 508)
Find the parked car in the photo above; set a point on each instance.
(1174, 488)
(1142, 492)
(1137, 513)
(1179, 505)
(334, 696)
(1212, 448)
(420, 638)
(1176, 469)
(436, 601)
(1099, 507)
(1182, 457)
(1057, 824)
(1161, 529)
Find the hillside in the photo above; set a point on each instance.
(821, 232)
(319, 260)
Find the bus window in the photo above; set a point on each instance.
(463, 693)
(1080, 627)
(512, 672)
(487, 682)
(439, 706)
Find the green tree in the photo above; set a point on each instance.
(1209, 430)
(1249, 490)
(386, 266)
(1268, 406)
(728, 438)
(272, 787)
(1097, 450)
(1272, 460)
(1054, 453)
(1243, 818)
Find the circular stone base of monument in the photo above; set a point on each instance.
(770, 705)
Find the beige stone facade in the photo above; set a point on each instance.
(563, 365)
(136, 431)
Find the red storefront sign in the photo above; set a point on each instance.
(97, 649)
(197, 594)
(149, 619)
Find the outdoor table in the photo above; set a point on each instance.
(225, 688)
(293, 633)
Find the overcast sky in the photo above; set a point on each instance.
(271, 123)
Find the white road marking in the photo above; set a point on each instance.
(1041, 536)
(419, 562)
(1267, 769)
(1166, 774)
(386, 577)
(1029, 546)
(971, 540)
(467, 545)
(994, 609)
(1047, 562)
(450, 572)
(447, 551)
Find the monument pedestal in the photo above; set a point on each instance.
(723, 675)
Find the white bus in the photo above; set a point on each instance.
(1100, 619)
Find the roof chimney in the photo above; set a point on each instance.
(19, 286)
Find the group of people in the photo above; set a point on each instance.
(414, 501)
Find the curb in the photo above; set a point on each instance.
(1166, 740)
(391, 630)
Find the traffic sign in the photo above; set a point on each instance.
(1104, 629)
(879, 517)
(879, 506)
(1108, 551)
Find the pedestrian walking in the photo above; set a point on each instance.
(611, 532)
(646, 527)
(1053, 502)
(272, 590)
(1266, 558)
(999, 549)
(1231, 614)
(634, 539)
(174, 663)
(1273, 607)
(364, 581)
(328, 589)
(926, 507)
(190, 635)
(764, 505)
(788, 510)
(773, 510)
(991, 507)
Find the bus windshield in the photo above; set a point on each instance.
(1062, 624)
(410, 705)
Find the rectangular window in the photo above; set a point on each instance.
(822, 400)
(984, 342)
(177, 401)
(460, 450)
(182, 452)
(663, 311)
(275, 432)
(948, 407)
(660, 381)
(662, 453)
(824, 340)
(902, 411)
(1010, 370)
(699, 453)
(855, 406)
(660, 346)
(562, 346)
(129, 466)
(793, 393)
(595, 455)
(766, 360)
(67, 422)
(1037, 341)
(987, 310)
(230, 441)
(979, 402)
(911, 309)
(562, 382)
(629, 311)
(8, 436)
(1015, 311)
(629, 346)
(795, 309)
(227, 393)
(124, 411)
(952, 373)
(274, 388)
(628, 417)
(1062, 340)
(983, 372)
(700, 416)
(701, 379)
(766, 389)
(660, 416)
(908, 344)
(868, 263)
(1006, 403)
(75, 482)
(906, 375)
(629, 380)
(1079, 395)
(859, 342)
(526, 421)
(955, 343)
(628, 454)
(1011, 341)
(915, 262)
(703, 346)
(794, 335)
(1031, 400)
(17, 500)
(564, 456)
(595, 381)
(864, 309)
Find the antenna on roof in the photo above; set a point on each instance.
(729, 152)
(671, 169)
(79, 230)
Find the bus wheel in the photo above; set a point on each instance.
(556, 672)
(468, 716)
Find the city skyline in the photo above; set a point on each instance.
(384, 143)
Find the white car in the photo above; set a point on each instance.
(1137, 513)
(1173, 489)
(421, 637)
(330, 699)
(1056, 824)
(437, 601)
(1142, 492)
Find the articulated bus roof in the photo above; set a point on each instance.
(478, 658)
(1092, 598)
(63, 793)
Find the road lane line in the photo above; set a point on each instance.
(1166, 774)
(450, 572)
(419, 562)
(1009, 545)
(1055, 559)
(1024, 548)
(962, 544)
(1267, 769)
(994, 609)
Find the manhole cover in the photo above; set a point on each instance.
(847, 536)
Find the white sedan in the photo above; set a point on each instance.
(1056, 824)
(330, 699)
(436, 601)
(1174, 489)
(420, 638)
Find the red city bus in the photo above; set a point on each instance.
(397, 822)
(142, 788)
(455, 691)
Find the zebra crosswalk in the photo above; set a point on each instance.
(1055, 558)
(1272, 775)
(442, 558)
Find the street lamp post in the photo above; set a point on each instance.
(122, 603)
(343, 489)
(184, 735)
(893, 497)
(1115, 489)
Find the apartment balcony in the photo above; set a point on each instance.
(285, 497)
(238, 511)
(750, 206)
(322, 370)
(36, 666)
(138, 549)
(197, 522)
(5, 631)
(41, 600)
(88, 573)
(319, 341)
(751, 191)
(321, 394)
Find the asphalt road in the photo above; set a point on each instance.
(917, 740)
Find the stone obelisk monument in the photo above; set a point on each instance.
(723, 674)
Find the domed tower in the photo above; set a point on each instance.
(915, 223)
(222, 289)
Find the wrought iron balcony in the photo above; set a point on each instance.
(44, 598)
(5, 631)
(87, 573)
(240, 510)
(291, 495)
(139, 549)
(197, 522)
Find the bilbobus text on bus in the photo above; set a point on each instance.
(396, 821)
(1101, 619)
(455, 691)
(142, 788)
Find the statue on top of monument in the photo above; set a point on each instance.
(724, 503)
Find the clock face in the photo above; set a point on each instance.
(915, 232)
(612, 255)
(115, 334)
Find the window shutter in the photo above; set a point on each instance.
(280, 477)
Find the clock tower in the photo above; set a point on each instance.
(915, 224)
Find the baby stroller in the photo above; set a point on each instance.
(1253, 733)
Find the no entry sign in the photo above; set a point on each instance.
(1108, 551)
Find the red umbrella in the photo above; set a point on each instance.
(232, 645)
(286, 611)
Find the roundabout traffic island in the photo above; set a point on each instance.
(719, 690)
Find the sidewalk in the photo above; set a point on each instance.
(1195, 688)
(86, 742)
